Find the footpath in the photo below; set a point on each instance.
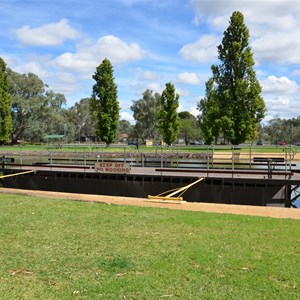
(263, 211)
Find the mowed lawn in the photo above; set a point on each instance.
(60, 249)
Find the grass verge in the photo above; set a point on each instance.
(121, 148)
(58, 249)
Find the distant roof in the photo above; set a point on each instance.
(55, 136)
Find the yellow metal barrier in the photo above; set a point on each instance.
(16, 174)
(179, 191)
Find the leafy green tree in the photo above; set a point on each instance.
(277, 130)
(51, 118)
(189, 129)
(169, 123)
(26, 90)
(80, 122)
(125, 130)
(104, 103)
(281, 130)
(36, 112)
(5, 105)
(233, 105)
(124, 126)
(146, 113)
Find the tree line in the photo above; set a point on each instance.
(230, 112)
(30, 112)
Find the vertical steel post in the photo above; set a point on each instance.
(3, 161)
(21, 160)
(269, 168)
(232, 159)
(288, 193)
(250, 155)
(285, 158)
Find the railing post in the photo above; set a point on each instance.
(21, 159)
(177, 157)
(291, 151)
(269, 168)
(3, 161)
(143, 159)
(50, 157)
(250, 155)
(207, 158)
(161, 158)
(285, 158)
(212, 155)
(232, 158)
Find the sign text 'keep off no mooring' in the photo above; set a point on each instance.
(112, 167)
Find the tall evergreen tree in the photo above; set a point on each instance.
(169, 123)
(233, 105)
(104, 103)
(5, 105)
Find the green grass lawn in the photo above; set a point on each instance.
(120, 148)
(59, 249)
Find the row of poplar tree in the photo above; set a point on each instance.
(232, 108)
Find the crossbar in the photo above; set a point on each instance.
(16, 174)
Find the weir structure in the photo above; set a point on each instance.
(232, 177)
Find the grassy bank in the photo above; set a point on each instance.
(123, 148)
(85, 146)
(54, 249)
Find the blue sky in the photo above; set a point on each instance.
(150, 43)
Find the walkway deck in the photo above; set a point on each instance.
(177, 172)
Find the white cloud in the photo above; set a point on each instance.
(267, 48)
(47, 35)
(274, 25)
(296, 72)
(117, 50)
(139, 88)
(277, 107)
(33, 63)
(204, 50)
(60, 82)
(277, 103)
(194, 111)
(76, 62)
(182, 93)
(281, 97)
(281, 85)
(148, 75)
(88, 57)
(188, 78)
(9, 60)
(126, 116)
(36, 68)
(65, 83)
(155, 87)
(191, 109)
(253, 8)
